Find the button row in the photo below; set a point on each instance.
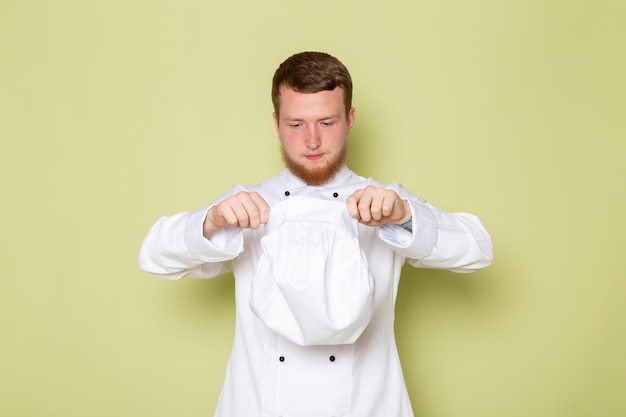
(287, 193)
(330, 358)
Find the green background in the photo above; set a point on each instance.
(115, 113)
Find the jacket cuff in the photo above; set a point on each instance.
(224, 245)
(418, 243)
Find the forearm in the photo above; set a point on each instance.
(175, 247)
(461, 243)
(438, 239)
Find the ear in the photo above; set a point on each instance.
(275, 120)
(351, 117)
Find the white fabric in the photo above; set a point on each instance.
(312, 285)
(362, 379)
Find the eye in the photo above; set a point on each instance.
(327, 123)
(295, 125)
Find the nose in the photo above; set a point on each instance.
(312, 139)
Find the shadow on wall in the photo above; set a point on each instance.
(436, 312)
(363, 146)
(196, 300)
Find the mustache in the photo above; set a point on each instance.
(315, 175)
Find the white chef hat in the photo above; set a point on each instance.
(313, 285)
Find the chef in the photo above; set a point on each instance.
(316, 253)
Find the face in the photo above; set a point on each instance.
(313, 129)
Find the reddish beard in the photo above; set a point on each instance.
(315, 175)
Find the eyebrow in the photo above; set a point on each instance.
(299, 119)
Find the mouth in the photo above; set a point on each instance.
(314, 157)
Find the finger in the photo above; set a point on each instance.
(389, 203)
(365, 205)
(224, 215)
(262, 207)
(253, 206)
(238, 207)
(377, 208)
(254, 210)
(352, 204)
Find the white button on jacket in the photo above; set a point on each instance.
(340, 360)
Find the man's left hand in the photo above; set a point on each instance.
(373, 206)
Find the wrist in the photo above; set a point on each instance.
(407, 225)
(208, 226)
(406, 222)
(408, 214)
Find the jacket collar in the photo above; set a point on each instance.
(340, 178)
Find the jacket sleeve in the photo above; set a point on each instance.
(175, 247)
(455, 241)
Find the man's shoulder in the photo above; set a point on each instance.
(269, 188)
(356, 179)
(269, 183)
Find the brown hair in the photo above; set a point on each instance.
(312, 72)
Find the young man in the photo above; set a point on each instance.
(316, 253)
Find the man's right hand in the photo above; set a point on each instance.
(244, 210)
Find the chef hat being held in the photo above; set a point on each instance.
(313, 285)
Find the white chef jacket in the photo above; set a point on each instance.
(269, 375)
